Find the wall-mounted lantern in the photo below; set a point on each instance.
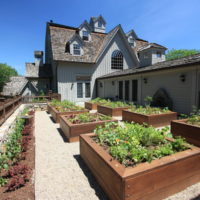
(72, 85)
(182, 77)
(101, 84)
(145, 80)
(113, 83)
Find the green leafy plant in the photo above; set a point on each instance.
(131, 144)
(194, 117)
(115, 104)
(87, 117)
(64, 106)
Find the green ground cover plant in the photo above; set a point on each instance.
(148, 110)
(115, 104)
(64, 106)
(132, 144)
(87, 117)
(98, 100)
(194, 117)
(10, 150)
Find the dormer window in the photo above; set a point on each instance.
(67, 48)
(85, 35)
(76, 49)
(158, 54)
(99, 24)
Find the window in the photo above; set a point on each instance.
(76, 49)
(134, 90)
(117, 60)
(127, 90)
(158, 54)
(87, 90)
(79, 90)
(99, 24)
(131, 41)
(85, 35)
(145, 55)
(67, 48)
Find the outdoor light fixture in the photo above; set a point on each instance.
(72, 85)
(182, 77)
(145, 80)
(101, 84)
(113, 82)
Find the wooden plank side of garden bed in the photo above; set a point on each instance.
(156, 180)
(56, 114)
(90, 106)
(114, 112)
(156, 120)
(190, 132)
(111, 182)
(73, 131)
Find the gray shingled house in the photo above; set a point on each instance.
(37, 79)
(86, 61)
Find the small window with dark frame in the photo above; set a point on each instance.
(87, 90)
(117, 60)
(79, 90)
(85, 35)
(99, 24)
(67, 48)
(158, 54)
(76, 49)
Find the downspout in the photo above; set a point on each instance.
(196, 90)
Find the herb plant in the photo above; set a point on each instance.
(131, 144)
(87, 117)
(64, 106)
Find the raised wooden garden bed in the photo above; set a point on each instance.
(114, 112)
(156, 120)
(56, 114)
(73, 131)
(147, 181)
(190, 132)
(90, 106)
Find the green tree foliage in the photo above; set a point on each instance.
(5, 73)
(179, 53)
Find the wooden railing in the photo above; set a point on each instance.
(40, 99)
(8, 106)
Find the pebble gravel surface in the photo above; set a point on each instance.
(60, 174)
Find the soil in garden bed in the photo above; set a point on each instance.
(26, 192)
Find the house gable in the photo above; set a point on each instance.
(122, 40)
(85, 29)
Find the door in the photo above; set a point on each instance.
(127, 90)
(120, 89)
(83, 91)
(134, 90)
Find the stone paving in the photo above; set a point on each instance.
(60, 174)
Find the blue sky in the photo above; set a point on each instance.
(172, 23)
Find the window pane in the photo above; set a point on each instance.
(127, 90)
(134, 90)
(117, 60)
(87, 90)
(77, 49)
(79, 90)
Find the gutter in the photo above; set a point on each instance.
(150, 70)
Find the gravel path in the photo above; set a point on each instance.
(60, 174)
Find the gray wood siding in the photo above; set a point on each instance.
(184, 94)
(67, 72)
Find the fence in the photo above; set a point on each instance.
(7, 106)
(40, 99)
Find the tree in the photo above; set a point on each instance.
(179, 53)
(5, 73)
